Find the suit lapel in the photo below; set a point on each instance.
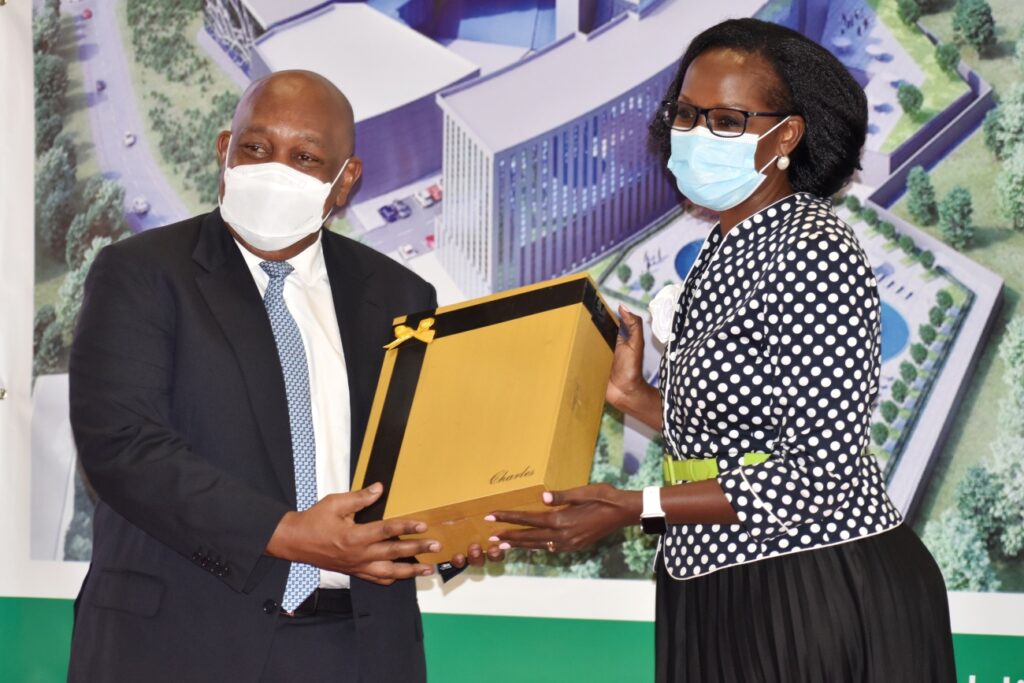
(364, 326)
(230, 292)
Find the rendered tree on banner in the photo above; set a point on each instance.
(646, 281)
(960, 552)
(45, 30)
(899, 391)
(991, 132)
(919, 353)
(1010, 188)
(69, 297)
(1005, 131)
(879, 433)
(909, 11)
(921, 196)
(55, 198)
(51, 77)
(908, 372)
(624, 272)
(46, 360)
(956, 217)
(973, 24)
(910, 98)
(889, 410)
(103, 216)
(869, 215)
(948, 57)
(976, 497)
(1008, 509)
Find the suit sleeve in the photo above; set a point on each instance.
(121, 374)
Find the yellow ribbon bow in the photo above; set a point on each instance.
(403, 333)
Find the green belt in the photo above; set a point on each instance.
(700, 469)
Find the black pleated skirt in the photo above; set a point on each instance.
(868, 610)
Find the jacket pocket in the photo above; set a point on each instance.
(126, 591)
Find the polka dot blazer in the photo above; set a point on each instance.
(775, 349)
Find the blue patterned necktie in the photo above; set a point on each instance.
(302, 578)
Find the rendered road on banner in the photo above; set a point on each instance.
(114, 112)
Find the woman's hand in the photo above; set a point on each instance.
(627, 390)
(627, 366)
(584, 516)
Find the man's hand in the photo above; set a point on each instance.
(475, 556)
(327, 536)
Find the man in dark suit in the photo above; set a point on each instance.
(221, 379)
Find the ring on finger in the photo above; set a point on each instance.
(551, 546)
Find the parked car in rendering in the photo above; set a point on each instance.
(402, 208)
(435, 191)
(101, 85)
(388, 213)
(407, 251)
(430, 241)
(128, 139)
(424, 199)
(87, 13)
(140, 206)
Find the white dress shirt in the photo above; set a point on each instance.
(307, 293)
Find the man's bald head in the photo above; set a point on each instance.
(296, 118)
(286, 91)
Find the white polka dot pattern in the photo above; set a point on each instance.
(302, 578)
(775, 349)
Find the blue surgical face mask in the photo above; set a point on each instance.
(713, 172)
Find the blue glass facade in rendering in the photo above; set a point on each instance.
(554, 203)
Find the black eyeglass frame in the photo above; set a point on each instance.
(668, 106)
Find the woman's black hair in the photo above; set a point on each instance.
(811, 83)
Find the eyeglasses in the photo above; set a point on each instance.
(721, 121)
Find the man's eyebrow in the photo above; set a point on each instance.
(263, 130)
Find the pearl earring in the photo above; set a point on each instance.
(783, 163)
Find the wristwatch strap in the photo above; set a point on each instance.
(652, 517)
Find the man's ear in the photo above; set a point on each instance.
(223, 142)
(353, 171)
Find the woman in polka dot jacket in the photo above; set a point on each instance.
(782, 557)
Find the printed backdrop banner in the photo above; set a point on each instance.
(505, 143)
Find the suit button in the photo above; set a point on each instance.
(270, 606)
(196, 556)
(204, 561)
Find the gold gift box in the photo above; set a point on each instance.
(484, 405)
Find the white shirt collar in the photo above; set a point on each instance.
(309, 264)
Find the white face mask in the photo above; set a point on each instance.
(271, 205)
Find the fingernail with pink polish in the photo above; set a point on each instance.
(504, 546)
(489, 518)
(494, 539)
(547, 497)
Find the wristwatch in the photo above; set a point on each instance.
(652, 518)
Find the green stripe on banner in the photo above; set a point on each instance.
(473, 649)
(35, 635)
